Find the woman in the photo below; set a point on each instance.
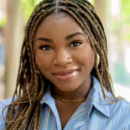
(64, 80)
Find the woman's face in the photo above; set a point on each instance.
(62, 52)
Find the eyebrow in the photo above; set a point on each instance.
(67, 38)
(73, 35)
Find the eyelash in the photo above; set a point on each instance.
(48, 47)
(79, 43)
(43, 46)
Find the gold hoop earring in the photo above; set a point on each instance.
(98, 59)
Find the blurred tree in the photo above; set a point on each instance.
(14, 36)
(101, 11)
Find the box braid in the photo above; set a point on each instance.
(24, 111)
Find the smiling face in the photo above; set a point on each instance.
(63, 54)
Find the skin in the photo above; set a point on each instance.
(59, 54)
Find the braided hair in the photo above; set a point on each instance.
(24, 111)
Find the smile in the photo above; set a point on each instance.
(65, 75)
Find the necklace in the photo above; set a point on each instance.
(69, 101)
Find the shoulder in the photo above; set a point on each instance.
(6, 101)
(124, 106)
(3, 104)
(123, 102)
(120, 111)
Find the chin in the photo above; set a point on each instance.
(67, 88)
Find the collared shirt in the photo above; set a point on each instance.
(94, 114)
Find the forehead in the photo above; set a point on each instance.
(60, 24)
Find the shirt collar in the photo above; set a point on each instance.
(95, 98)
(47, 97)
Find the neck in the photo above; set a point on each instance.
(80, 93)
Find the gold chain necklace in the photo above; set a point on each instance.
(69, 101)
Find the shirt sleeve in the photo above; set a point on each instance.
(3, 104)
(2, 121)
(128, 119)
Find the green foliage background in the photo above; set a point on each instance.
(28, 7)
(125, 13)
(125, 10)
(3, 22)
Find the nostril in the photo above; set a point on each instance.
(62, 61)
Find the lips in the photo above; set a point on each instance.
(66, 74)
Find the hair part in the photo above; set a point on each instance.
(24, 111)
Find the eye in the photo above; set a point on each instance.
(75, 43)
(45, 47)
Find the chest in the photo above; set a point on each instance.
(52, 119)
(66, 111)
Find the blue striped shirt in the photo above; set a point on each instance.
(94, 114)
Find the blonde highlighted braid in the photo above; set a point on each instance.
(24, 111)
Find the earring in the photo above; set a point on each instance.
(98, 59)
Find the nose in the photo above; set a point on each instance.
(62, 58)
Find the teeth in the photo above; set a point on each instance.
(74, 73)
(65, 72)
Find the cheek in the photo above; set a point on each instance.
(43, 61)
(86, 57)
